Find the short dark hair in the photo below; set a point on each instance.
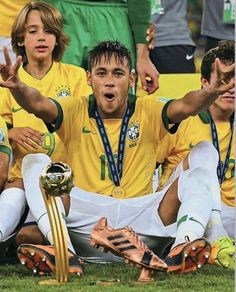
(108, 49)
(224, 51)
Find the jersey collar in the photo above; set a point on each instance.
(92, 104)
(205, 117)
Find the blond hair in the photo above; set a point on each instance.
(52, 20)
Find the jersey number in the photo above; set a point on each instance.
(105, 171)
(49, 143)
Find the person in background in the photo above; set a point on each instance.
(218, 22)
(174, 48)
(90, 22)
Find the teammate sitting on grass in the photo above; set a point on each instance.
(112, 124)
(38, 37)
(215, 125)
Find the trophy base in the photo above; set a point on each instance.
(51, 282)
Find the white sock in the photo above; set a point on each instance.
(195, 208)
(32, 166)
(12, 205)
(205, 154)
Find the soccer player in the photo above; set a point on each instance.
(215, 125)
(111, 130)
(38, 37)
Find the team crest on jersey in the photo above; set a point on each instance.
(2, 137)
(133, 132)
(63, 91)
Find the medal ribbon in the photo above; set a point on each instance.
(115, 170)
(222, 167)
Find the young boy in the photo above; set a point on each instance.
(38, 37)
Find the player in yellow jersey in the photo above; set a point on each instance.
(215, 125)
(139, 125)
(38, 37)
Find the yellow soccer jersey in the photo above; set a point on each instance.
(79, 132)
(61, 81)
(191, 131)
(4, 142)
(8, 11)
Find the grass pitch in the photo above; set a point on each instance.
(119, 277)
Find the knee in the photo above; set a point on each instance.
(30, 234)
(204, 155)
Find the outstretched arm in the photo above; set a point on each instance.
(196, 101)
(29, 98)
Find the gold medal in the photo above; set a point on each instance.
(118, 192)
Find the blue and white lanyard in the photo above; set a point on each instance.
(222, 167)
(115, 170)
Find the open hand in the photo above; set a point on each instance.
(224, 79)
(26, 137)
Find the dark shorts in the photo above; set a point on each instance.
(211, 43)
(174, 59)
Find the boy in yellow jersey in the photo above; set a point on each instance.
(112, 124)
(215, 125)
(38, 37)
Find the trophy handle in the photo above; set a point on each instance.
(51, 184)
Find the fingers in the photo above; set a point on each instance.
(27, 137)
(7, 56)
(32, 139)
(152, 87)
(17, 64)
(150, 36)
(35, 135)
(28, 143)
(149, 85)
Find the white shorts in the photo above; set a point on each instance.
(139, 213)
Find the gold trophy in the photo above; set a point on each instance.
(57, 180)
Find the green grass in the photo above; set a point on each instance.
(209, 278)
